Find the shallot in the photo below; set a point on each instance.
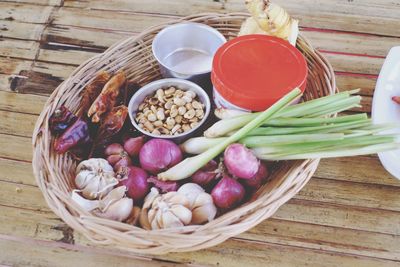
(163, 186)
(206, 175)
(117, 156)
(228, 193)
(158, 155)
(258, 179)
(240, 161)
(135, 179)
(133, 145)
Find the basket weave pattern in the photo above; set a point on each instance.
(55, 173)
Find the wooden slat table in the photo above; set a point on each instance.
(348, 214)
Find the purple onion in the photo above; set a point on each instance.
(158, 155)
(228, 193)
(240, 161)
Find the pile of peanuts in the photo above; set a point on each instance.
(170, 111)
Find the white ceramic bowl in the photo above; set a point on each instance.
(151, 88)
(384, 110)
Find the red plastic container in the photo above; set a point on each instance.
(252, 72)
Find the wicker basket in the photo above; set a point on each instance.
(54, 173)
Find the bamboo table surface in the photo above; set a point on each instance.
(347, 215)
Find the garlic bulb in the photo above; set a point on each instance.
(148, 201)
(115, 206)
(168, 210)
(95, 178)
(271, 19)
(200, 203)
(84, 203)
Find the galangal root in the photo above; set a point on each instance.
(271, 19)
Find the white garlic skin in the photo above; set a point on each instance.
(95, 178)
(168, 210)
(84, 203)
(117, 211)
(201, 203)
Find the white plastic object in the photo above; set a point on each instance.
(384, 110)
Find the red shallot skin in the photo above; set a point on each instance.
(158, 155)
(113, 149)
(135, 179)
(258, 179)
(133, 145)
(117, 156)
(125, 161)
(206, 175)
(163, 186)
(240, 161)
(228, 193)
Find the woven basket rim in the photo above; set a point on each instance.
(49, 168)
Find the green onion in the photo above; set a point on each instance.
(187, 167)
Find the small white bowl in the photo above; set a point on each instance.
(186, 50)
(151, 88)
(384, 110)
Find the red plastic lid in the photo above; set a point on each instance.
(254, 71)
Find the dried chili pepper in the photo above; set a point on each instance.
(113, 122)
(110, 126)
(107, 98)
(61, 119)
(77, 133)
(92, 91)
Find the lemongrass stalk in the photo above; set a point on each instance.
(222, 127)
(341, 100)
(256, 141)
(335, 153)
(373, 129)
(187, 167)
(334, 110)
(322, 109)
(336, 127)
(303, 124)
(223, 113)
(340, 127)
(308, 122)
(198, 145)
(294, 110)
(297, 148)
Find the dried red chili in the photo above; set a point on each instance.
(77, 133)
(110, 126)
(61, 119)
(112, 122)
